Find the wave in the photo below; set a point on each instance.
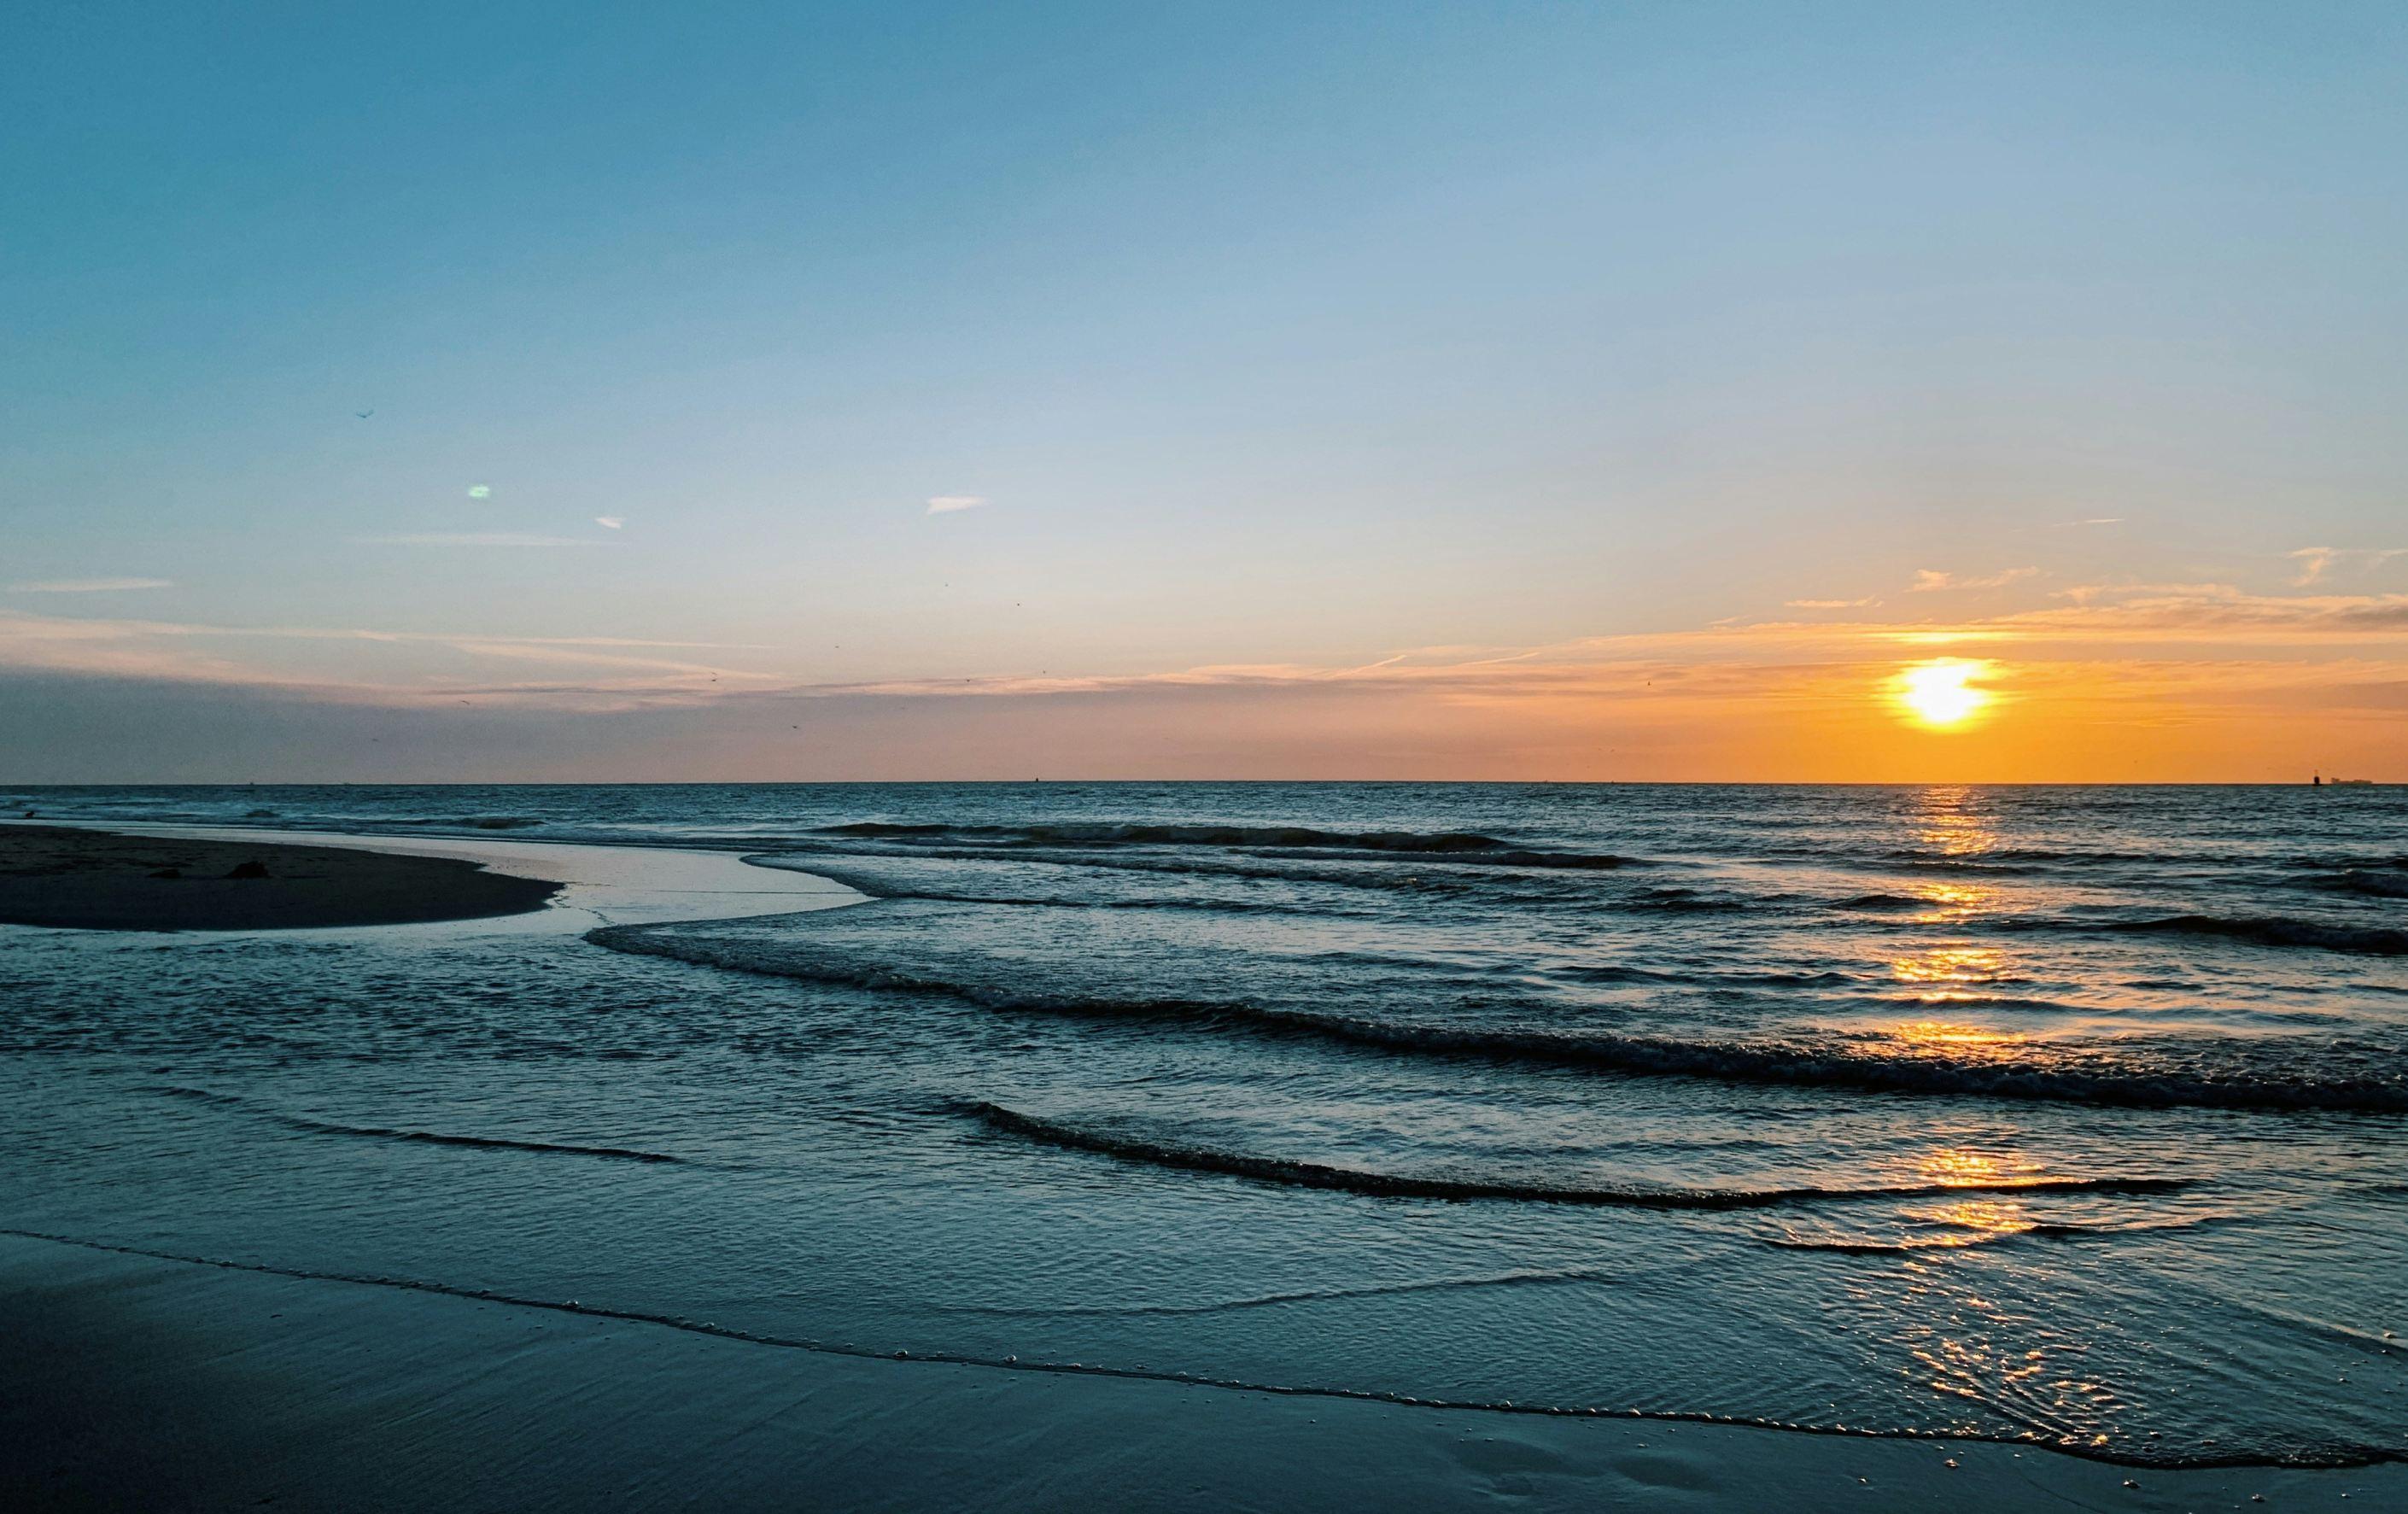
(2018, 855)
(1883, 902)
(1306, 841)
(2274, 931)
(1688, 900)
(2044, 1230)
(1609, 972)
(1523, 1278)
(1105, 833)
(1850, 1246)
(466, 822)
(879, 887)
(2253, 930)
(1284, 1172)
(1589, 861)
(1874, 1065)
(2376, 883)
(1797, 1062)
(425, 1137)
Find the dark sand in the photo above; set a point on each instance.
(100, 881)
(130, 1382)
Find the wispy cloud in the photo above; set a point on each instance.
(87, 586)
(174, 651)
(1830, 604)
(2316, 561)
(2205, 612)
(611, 523)
(947, 504)
(1928, 580)
(484, 538)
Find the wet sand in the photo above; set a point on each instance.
(138, 1382)
(85, 880)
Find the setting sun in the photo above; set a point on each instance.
(1942, 694)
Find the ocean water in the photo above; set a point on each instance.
(2076, 1116)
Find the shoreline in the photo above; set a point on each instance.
(135, 1380)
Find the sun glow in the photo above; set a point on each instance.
(1944, 692)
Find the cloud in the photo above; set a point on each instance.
(1928, 580)
(87, 586)
(611, 523)
(2208, 612)
(484, 538)
(1830, 603)
(947, 504)
(2314, 562)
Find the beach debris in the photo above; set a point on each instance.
(253, 869)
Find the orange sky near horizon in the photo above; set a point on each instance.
(2139, 683)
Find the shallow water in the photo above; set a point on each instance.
(2075, 1115)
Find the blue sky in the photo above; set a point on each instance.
(1294, 337)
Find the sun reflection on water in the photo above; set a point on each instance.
(1950, 965)
(1953, 903)
(1948, 820)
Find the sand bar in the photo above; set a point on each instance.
(584, 884)
(85, 880)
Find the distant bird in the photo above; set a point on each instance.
(363, 414)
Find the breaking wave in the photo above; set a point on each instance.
(2274, 931)
(1867, 1065)
(1189, 1157)
(1307, 841)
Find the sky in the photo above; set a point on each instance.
(1818, 392)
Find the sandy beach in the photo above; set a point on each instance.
(133, 1381)
(84, 879)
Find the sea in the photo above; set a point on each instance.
(2074, 1117)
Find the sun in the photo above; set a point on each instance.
(1942, 694)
